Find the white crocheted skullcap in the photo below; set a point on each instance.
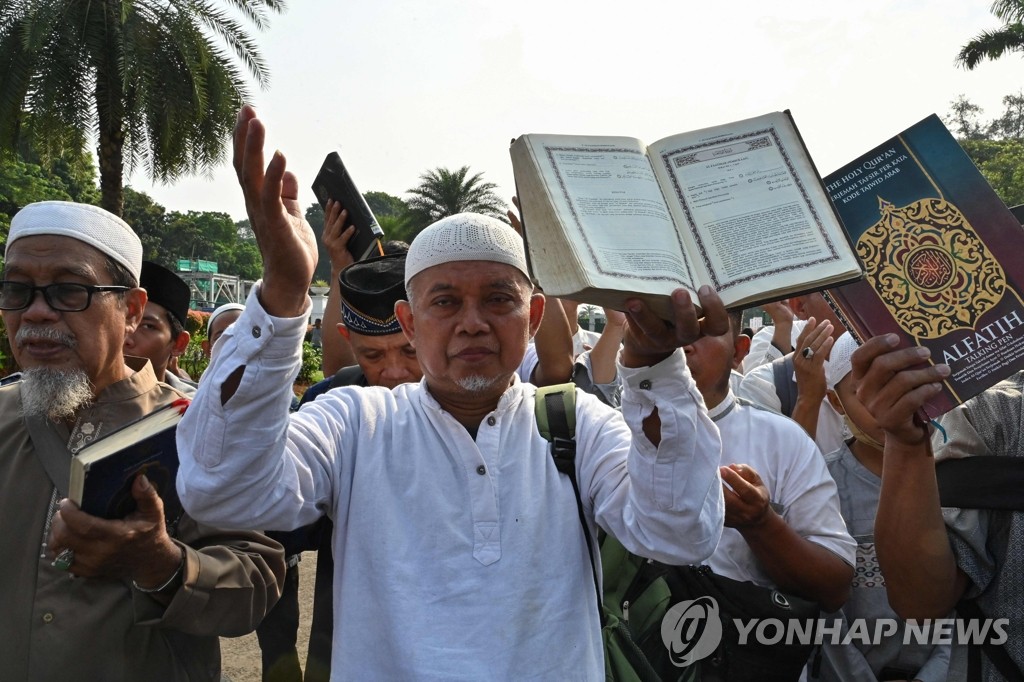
(90, 224)
(839, 360)
(220, 310)
(465, 236)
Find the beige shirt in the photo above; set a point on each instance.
(54, 627)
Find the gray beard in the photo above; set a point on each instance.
(475, 384)
(57, 394)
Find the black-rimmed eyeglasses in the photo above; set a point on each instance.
(64, 297)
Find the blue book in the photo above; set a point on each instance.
(102, 472)
(942, 258)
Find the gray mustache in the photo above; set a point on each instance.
(29, 333)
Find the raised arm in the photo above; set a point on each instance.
(337, 352)
(652, 478)
(241, 466)
(921, 575)
(810, 373)
(553, 343)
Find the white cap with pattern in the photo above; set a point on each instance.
(840, 360)
(465, 236)
(90, 224)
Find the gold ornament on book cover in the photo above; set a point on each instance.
(930, 267)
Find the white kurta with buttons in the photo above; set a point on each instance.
(455, 558)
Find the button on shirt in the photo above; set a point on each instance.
(442, 572)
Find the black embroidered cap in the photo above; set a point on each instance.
(167, 289)
(369, 290)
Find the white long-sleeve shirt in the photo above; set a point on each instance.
(799, 485)
(455, 558)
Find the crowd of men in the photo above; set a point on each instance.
(449, 543)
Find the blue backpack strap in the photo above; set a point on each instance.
(785, 385)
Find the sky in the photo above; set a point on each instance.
(398, 87)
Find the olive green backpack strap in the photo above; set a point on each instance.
(555, 407)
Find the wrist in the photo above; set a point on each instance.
(760, 526)
(168, 584)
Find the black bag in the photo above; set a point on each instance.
(654, 587)
(638, 593)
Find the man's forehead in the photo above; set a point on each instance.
(155, 310)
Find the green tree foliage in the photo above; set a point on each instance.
(996, 147)
(204, 235)
(157, 81)
(443, 192)
(385, 205)
(995, 43)
(315, 218)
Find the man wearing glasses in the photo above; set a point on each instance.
(81, 596)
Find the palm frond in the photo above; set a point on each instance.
(992, 45)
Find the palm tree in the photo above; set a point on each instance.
(157, 82)
(443, 192)
(995, 44)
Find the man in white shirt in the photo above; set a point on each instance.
(784, 527)
(458, 550)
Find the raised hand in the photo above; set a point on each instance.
(286, 241)
(894, 383)
(336, 236)
(649, 339)
(812, 349)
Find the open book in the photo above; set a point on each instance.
(739, 207)
(941, 252)
(103, 471)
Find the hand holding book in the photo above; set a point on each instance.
(337, 236)
(137, 546)
(894, 386)
(649, 339)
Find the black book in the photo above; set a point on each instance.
(103, 471)
(334, 182)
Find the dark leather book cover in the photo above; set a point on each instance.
(334, 182)
(942, 257)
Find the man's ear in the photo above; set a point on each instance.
(537, 303)
(740, 349)
(135, 305)
(403, 311)
(181, 343)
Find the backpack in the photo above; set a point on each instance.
(785, 385)
(983, 482)
(638, 592)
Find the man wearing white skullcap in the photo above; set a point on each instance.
(150, 602)
(856, 468)
(459, 549)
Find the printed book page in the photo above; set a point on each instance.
(613, 211)
(750, 207)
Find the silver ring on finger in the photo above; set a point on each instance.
(807, 353)
(64, 559)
